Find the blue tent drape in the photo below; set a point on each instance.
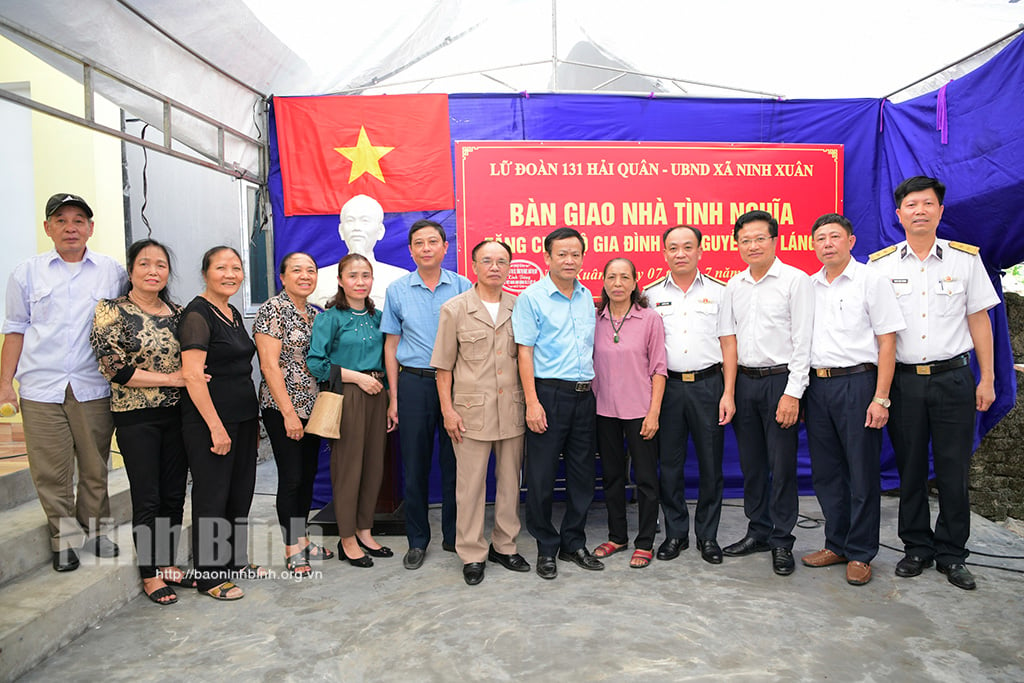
(981, 162)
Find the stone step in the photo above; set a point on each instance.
(24, 535)
(45, 610)
(16, 487)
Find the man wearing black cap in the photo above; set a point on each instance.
(65, 402)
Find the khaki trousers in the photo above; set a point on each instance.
(471, 459)
(357, 458)
(58, 436)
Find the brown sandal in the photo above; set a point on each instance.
(220, 592)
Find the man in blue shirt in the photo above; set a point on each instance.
(553, 322)
(412, 310)
(65, 402)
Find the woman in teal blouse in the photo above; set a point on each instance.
(348, 335)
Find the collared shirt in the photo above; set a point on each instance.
(936, 295)
(279, 318)
(52, 304)
(772, 320)
(412, 311)
(560, 330)
(693, 321)
(350, 339)
(623, 370)
(849, 314)
(481, 354)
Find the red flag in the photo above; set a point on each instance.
(394, 148)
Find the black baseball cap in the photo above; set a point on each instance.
(63, 199)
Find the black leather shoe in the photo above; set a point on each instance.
(382, 551)
(746, 546)
(782, 561)
(363, 561)
(958, 575)
(671, 547)
(515, 561)
(582, 558)
(414, 558)
(101, 546)
(473, 572)
(65, 560)
(710, 551)
(912, 565)
(547, 568)
(448, 547)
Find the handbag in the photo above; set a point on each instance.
(325, 418)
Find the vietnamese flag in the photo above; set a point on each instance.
(394, 148)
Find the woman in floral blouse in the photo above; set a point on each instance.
(134, 339)
(287, 392)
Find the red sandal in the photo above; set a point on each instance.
(607, 549)
(640, 559)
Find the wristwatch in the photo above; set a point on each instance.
(884, 402)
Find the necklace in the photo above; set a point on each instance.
(148, 308)
(622, 322)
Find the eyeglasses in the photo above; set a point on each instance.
(759, 241)
(487, 262)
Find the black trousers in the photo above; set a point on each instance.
(768, 460)
(296, 469)
(222, 488)
(419, 419)
(571, 429)
(845, 462)
(940, 409)
(154, 457)
(689, 410)
(612, 435)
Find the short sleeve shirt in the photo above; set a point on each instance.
(278, 318)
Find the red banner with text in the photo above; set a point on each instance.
(622, 196)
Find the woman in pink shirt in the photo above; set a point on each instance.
(629, 381)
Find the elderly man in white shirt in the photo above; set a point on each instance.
(772, 311)
(65, 401)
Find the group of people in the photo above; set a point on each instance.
(853, 348)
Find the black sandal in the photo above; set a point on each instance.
(188, 579)
(253, 571)
(298, 564)
(164, 592)
(317, 553)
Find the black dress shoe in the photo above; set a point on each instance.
(515, 561)
(671, 547)
(782, 561)
(473, 572)
(414, 558)
(547, 568)
(710, 551)
(912, 565)
(65, 560)
(382, 551)
(363, 561)
(958, 575)
(582, 558)
(101, 546)
(448, 547)
(746, 546)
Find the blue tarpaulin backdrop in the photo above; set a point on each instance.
(969, 135)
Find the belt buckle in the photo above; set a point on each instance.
(823, 372)
(687, 376)
(582, 386)
(923, 369)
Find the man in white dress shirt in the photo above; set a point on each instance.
(945, 294)
(699, 393)
(853, 356)
(772, 312)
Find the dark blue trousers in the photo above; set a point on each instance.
(419, 419)
(572, 420)
(845, 457)
(768, 460)
(689, 410)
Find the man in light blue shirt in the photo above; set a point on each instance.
(553, 322)
(412, 310)
(65, 402)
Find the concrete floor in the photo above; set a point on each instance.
(679, 620)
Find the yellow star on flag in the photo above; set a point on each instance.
(365, 157)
